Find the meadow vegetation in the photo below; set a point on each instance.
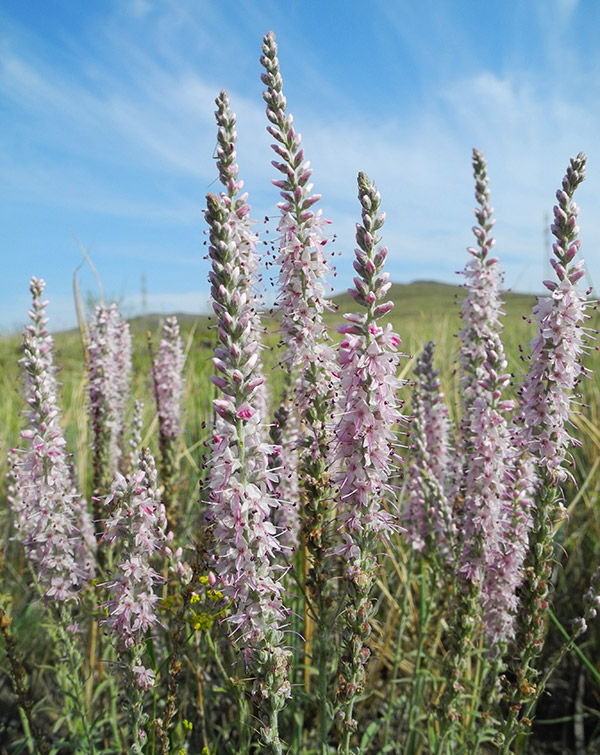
(378, 554)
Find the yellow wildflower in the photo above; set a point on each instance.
(202, 621)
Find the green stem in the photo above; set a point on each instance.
(242, 719)
(566, 647)
(465, 624)
(238, 692)
(407, 585)
(75, 692)
(325, 708)
(415, 702)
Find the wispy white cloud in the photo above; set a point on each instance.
(567, 6)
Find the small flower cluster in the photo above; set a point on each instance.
(137, 523)
(50, 517)
(428, 515)
(201, 617)
(167, 372)
(108, 388)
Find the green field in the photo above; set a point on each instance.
(423, 311)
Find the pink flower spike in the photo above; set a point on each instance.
(167, 374)
(489, 531)
(50, 517)
(138, 522)
(369, 361)
(556, 352)
(239, 499)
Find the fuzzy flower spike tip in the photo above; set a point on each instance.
(556, 352)
(302, 300)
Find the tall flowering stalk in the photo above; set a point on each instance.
(137, 524)
(50, 517)
(482, 492)
(556, 351)
(486, 444)
(366, 437)
(498, 476)
(240, 501)
(545, 400)
(167, 374)
(428, 515)
(307, 356)
(109, 350)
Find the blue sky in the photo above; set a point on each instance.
(107, 133)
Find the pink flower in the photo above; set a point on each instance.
(492, 521)
(245, 411)
(367, 437)
(145, 679)
(303, 271)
